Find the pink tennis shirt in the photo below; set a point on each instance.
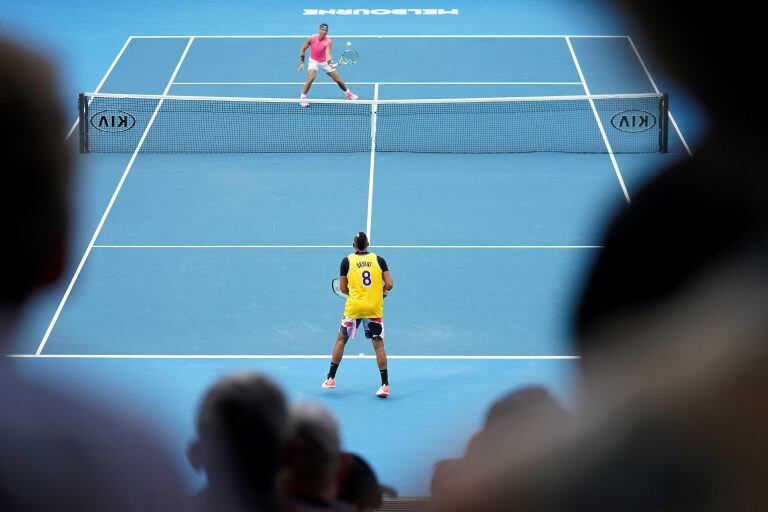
(317, 49)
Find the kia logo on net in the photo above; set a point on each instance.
(633, 121)
(113, 121)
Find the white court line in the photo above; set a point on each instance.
(655, 88)
(380, 83)
(285, 356)
(373, 246)
(109, 206)
(374, 108)
(103, 79)
(599, 122)
(222, 246)
(487, 246)
(394, 36)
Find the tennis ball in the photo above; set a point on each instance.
(349, 43)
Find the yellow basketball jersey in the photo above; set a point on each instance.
(366, 289)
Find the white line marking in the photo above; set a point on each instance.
(380, 83)
(221, 246)
(653, 83)
(496, 99)
(374, 107)
(393, 36)
(599, 122)
(109, 207)
(282, 356)
(103, 79)
(347, 246)
(487, 246)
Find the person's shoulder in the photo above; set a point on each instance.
(382, 263)
(109, 452)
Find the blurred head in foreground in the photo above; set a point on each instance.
(241, 428)
(671, 324)
(312, 456)
(35, 198)
(59, 452)
(360, 488)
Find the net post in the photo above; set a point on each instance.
(664, 133)
(82, 108)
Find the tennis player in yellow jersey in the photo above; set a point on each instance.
(365, 278)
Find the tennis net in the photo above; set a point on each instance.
(112, 123)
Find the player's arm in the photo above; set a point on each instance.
(304, 47)
(385, 275)
(343, 271)
(388, 282)
(344, 284)
(328, 52)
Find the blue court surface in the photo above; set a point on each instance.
(189, 267)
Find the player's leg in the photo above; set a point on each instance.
(381, 360)
(337, 78)
(338, 348)
(311, 74)
(346, 329)
(375, 331)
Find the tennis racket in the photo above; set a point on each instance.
(336, 287)
(348, 57)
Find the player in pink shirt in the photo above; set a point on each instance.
(320, 58)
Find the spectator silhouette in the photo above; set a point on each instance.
(671, 324)
(515, 418)
(57, 452)
(241, 427)
(360, 488)
(311, 471)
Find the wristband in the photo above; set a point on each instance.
(301, 57)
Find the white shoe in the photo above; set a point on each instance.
(383, 391)
(329, 383)
(303, 102)
(350, 95)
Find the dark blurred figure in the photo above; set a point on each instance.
(311, 470)
(241, 426)
(515, 417)
(56, 452)
(684, 225)
(671, 325)
(359, 487)
(686, 222)
(709, 49)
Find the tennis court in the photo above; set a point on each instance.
(193, 266)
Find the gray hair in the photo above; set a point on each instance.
(315, 423)
(313, 452)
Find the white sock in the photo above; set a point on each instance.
(303, 95)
